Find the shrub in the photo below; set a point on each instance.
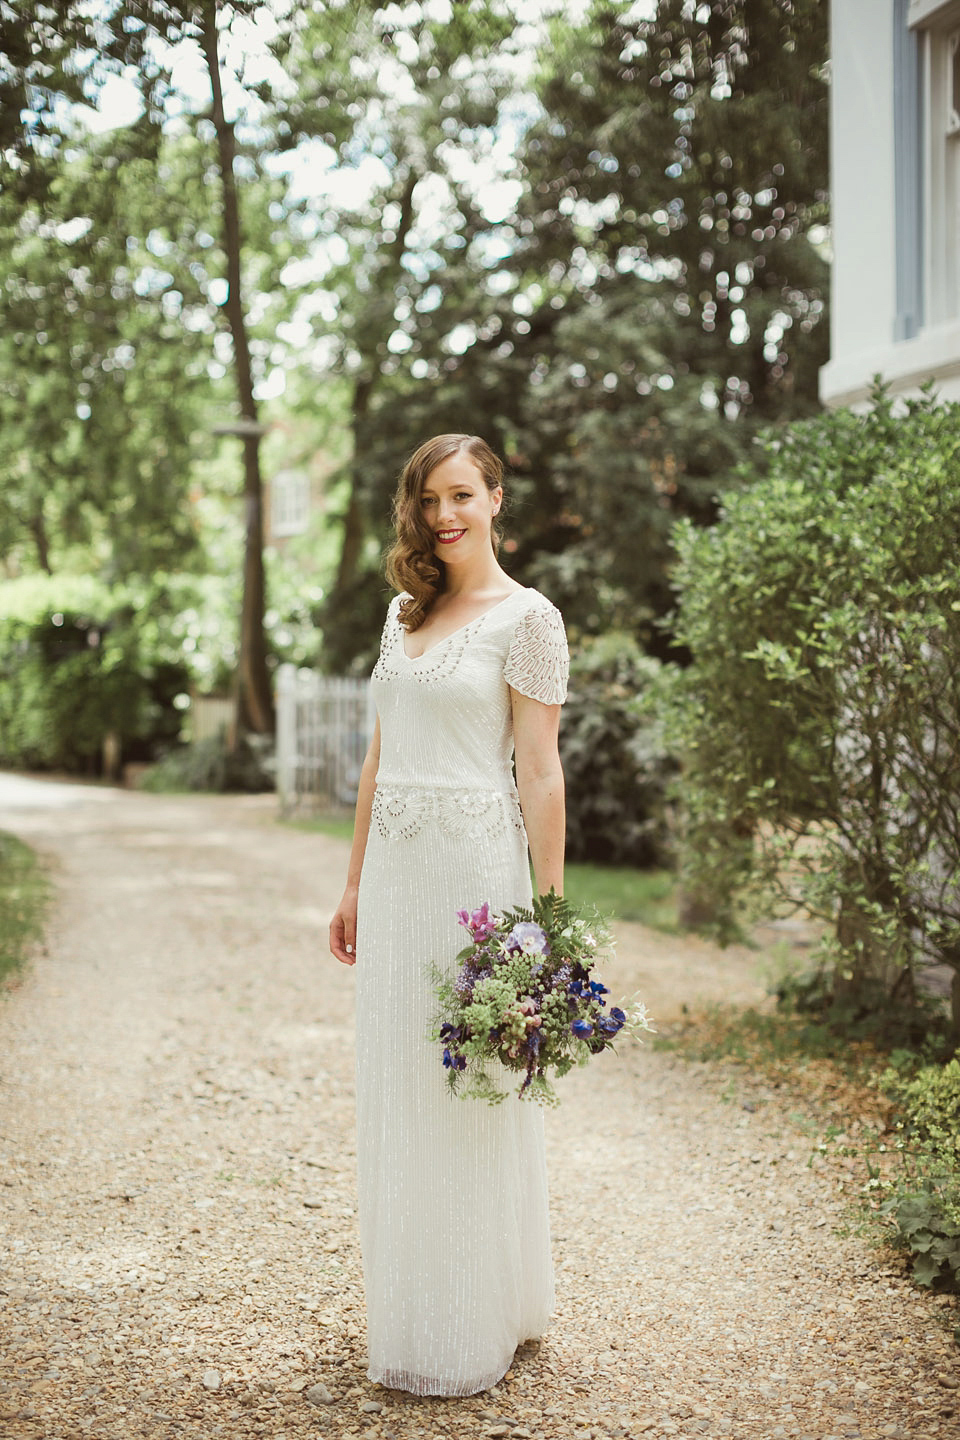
(616, 767)
(925, 1203)
(74, 666)
(208, 765)
(819, 721)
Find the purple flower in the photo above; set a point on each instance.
(479, 923)
(582, 1029)
(527, 938)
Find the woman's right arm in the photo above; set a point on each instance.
(343, 926)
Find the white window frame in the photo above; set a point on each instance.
(289, 503)
(938, 27)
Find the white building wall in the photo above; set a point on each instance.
(864, 317)
(863, 298)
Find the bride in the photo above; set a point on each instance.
(453, 1217)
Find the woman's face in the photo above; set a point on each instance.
(459, 508)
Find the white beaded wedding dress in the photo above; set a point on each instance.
(453, 1218)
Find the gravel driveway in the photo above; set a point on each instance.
(179, 1254)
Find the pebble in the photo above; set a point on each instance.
(211, 1379)
(371, 1407)
(319, 1395)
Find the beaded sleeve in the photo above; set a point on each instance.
(538, 663)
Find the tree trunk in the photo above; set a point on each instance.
(38, 530)
(354, 519)
(254, 697)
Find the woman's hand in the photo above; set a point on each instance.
(343, 928)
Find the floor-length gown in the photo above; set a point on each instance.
(454, 1226)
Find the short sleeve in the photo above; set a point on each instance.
(538, 663)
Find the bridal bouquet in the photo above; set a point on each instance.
(523, 995)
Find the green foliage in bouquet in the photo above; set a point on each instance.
(523, 999)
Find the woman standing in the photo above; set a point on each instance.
(454, 1226)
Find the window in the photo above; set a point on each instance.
(953, 117)
(938, 30)
(289, 503)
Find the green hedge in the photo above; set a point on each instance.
(79, 661)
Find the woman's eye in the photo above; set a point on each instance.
(426, 501)
(464, 495)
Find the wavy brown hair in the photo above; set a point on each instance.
(412, 564)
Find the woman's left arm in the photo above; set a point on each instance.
(540, 785)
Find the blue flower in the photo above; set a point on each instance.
(617, 1014)
(607, 1025)
(597, 989)
(582, 1029)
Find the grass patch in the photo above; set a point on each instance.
(623, 893)
(339, 826)
(23, 900)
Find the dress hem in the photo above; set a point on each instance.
(392, 1379)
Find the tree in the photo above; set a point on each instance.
(416, 99)
(99, 379)
(672, 188)
(47, 68)
(650, 301)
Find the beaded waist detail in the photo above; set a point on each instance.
(402, 811)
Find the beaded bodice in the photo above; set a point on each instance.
(446, 728)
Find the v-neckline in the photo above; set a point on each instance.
(412, 659)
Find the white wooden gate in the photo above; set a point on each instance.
(324, 725)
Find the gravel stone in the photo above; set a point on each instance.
(319, 1395)
(176, 1088)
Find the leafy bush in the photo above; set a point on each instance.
(819, 722)
(925, 1204)
(75, 665)
(208, 765)
(616, 767)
